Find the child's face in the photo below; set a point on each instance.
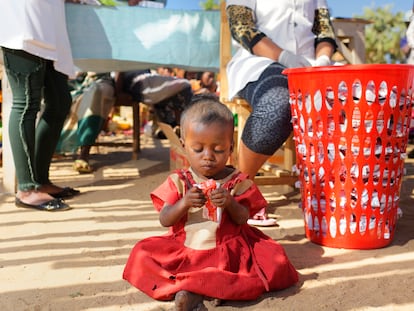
(208, 148)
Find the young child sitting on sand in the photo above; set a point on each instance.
(210, 251)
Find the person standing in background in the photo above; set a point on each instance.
(38, 60)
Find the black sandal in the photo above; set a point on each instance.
(66, 193)
(49, 206)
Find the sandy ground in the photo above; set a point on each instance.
(74, 260)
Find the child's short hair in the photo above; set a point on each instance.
(206, 109)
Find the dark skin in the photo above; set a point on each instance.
(185, 300)
(208, 147)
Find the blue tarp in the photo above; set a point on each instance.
(123, 38)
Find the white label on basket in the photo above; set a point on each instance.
(342, 225)
(332, 227)
(317, 99)
(363, 224)
(370, 93)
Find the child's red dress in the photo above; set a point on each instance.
(219, 260)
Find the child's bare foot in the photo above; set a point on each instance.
(216, 302)
(187, 301)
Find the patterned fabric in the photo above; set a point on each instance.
(168, 96)
(169, 110)
(245, 32)
(93, 98)
(323, 28)
(269, 97)
(242, 26)
(289, 24)
(295, 26)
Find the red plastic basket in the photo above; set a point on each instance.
(351, 126)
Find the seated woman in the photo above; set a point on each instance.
(272, 36)
(165, 94)
(94, 96)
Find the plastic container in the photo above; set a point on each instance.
(351, 126)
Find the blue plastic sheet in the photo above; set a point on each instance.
(123, 38)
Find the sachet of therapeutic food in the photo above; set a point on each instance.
(211, 211)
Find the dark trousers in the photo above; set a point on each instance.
(33, 140)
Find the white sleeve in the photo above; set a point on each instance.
(410, 34)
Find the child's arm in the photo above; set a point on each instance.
(222, 198)
(171, 214)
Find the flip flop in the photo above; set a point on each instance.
(82, 167)
(268, 222)
(261, 219)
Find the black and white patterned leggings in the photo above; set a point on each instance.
(269, 124)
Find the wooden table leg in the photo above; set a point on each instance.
(136, 148)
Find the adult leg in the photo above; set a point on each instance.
(250, 162)
(57, 100)
(99, 100)
(268, 126)
(26, 77)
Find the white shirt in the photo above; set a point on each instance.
(288, 23)
(410, 40)
(39, 28)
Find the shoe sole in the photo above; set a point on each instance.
(270, 222)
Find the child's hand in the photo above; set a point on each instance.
(221, 198)
(194, 198)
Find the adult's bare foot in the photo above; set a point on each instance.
(187, 301)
